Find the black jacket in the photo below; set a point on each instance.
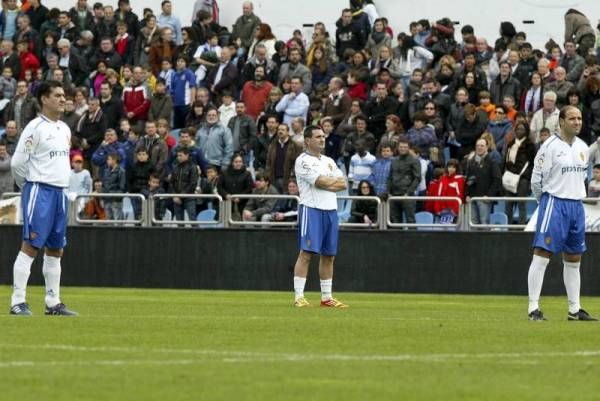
(113, 112)
(377, 112)
(525, 154)
(137, 176)
(184, 178)
(235, 182)
(405, 175)
(348, 37)
(499, 89)
(247, 132)
(482, 178)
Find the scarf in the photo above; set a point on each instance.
(514, 149)
(378, 36)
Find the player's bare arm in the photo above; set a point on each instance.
(333, 184)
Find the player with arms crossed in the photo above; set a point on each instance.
(41, 168)
(558, 182)
(318, 179)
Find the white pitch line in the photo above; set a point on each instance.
(264, 357)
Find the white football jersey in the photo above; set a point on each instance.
(308, 168)
(42, 153)
(560, 169)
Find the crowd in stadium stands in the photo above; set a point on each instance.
(159, 107)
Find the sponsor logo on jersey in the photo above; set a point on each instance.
(58, 153)
(548, 240)
(29, 143)
(573, 169)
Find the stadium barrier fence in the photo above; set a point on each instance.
(491, 225)
(228, 206)
(141, 221)
(193, 220)
(379, 224)
(456, 225)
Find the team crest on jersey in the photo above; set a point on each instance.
(307, 242)
(582, 156)
(548, 240)
(330, 167)
(32, 236)
(29, 144)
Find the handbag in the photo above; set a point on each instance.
(510, 181)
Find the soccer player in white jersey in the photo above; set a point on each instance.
(318, 179)
(41, 168)
(558, 182)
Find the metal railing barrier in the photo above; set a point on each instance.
(229, 204)
(139, 221)
(393, 199)
(380, 211)
(516, 199)
(192, 219)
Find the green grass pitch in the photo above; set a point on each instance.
(173, 345)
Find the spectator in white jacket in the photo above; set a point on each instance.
(547, 117)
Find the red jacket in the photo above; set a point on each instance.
(449, 186)
(28, 62)
(255, 97)
(136, 99)
(358, 91)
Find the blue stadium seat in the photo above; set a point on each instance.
(127, 208)
(499, 218)
(499, 207)
(424, 218)
(344, 209)
(206, 215)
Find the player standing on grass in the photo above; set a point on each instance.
(41, 168)
(318, 179)
(558, 182)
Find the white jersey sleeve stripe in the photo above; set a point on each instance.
(547, 215)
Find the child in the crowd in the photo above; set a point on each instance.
(8, 85)
(594, 185)
(114, 182)
(80, 182)
(227, 108)
(155, 188)
(94, 208)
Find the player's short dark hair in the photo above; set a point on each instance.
(310, 130)
(46, 87)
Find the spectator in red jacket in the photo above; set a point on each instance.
(136, 100)
(256, 93)
(452, 183)
(28, 60)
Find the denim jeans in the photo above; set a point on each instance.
(189, 205)
(481, 212)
